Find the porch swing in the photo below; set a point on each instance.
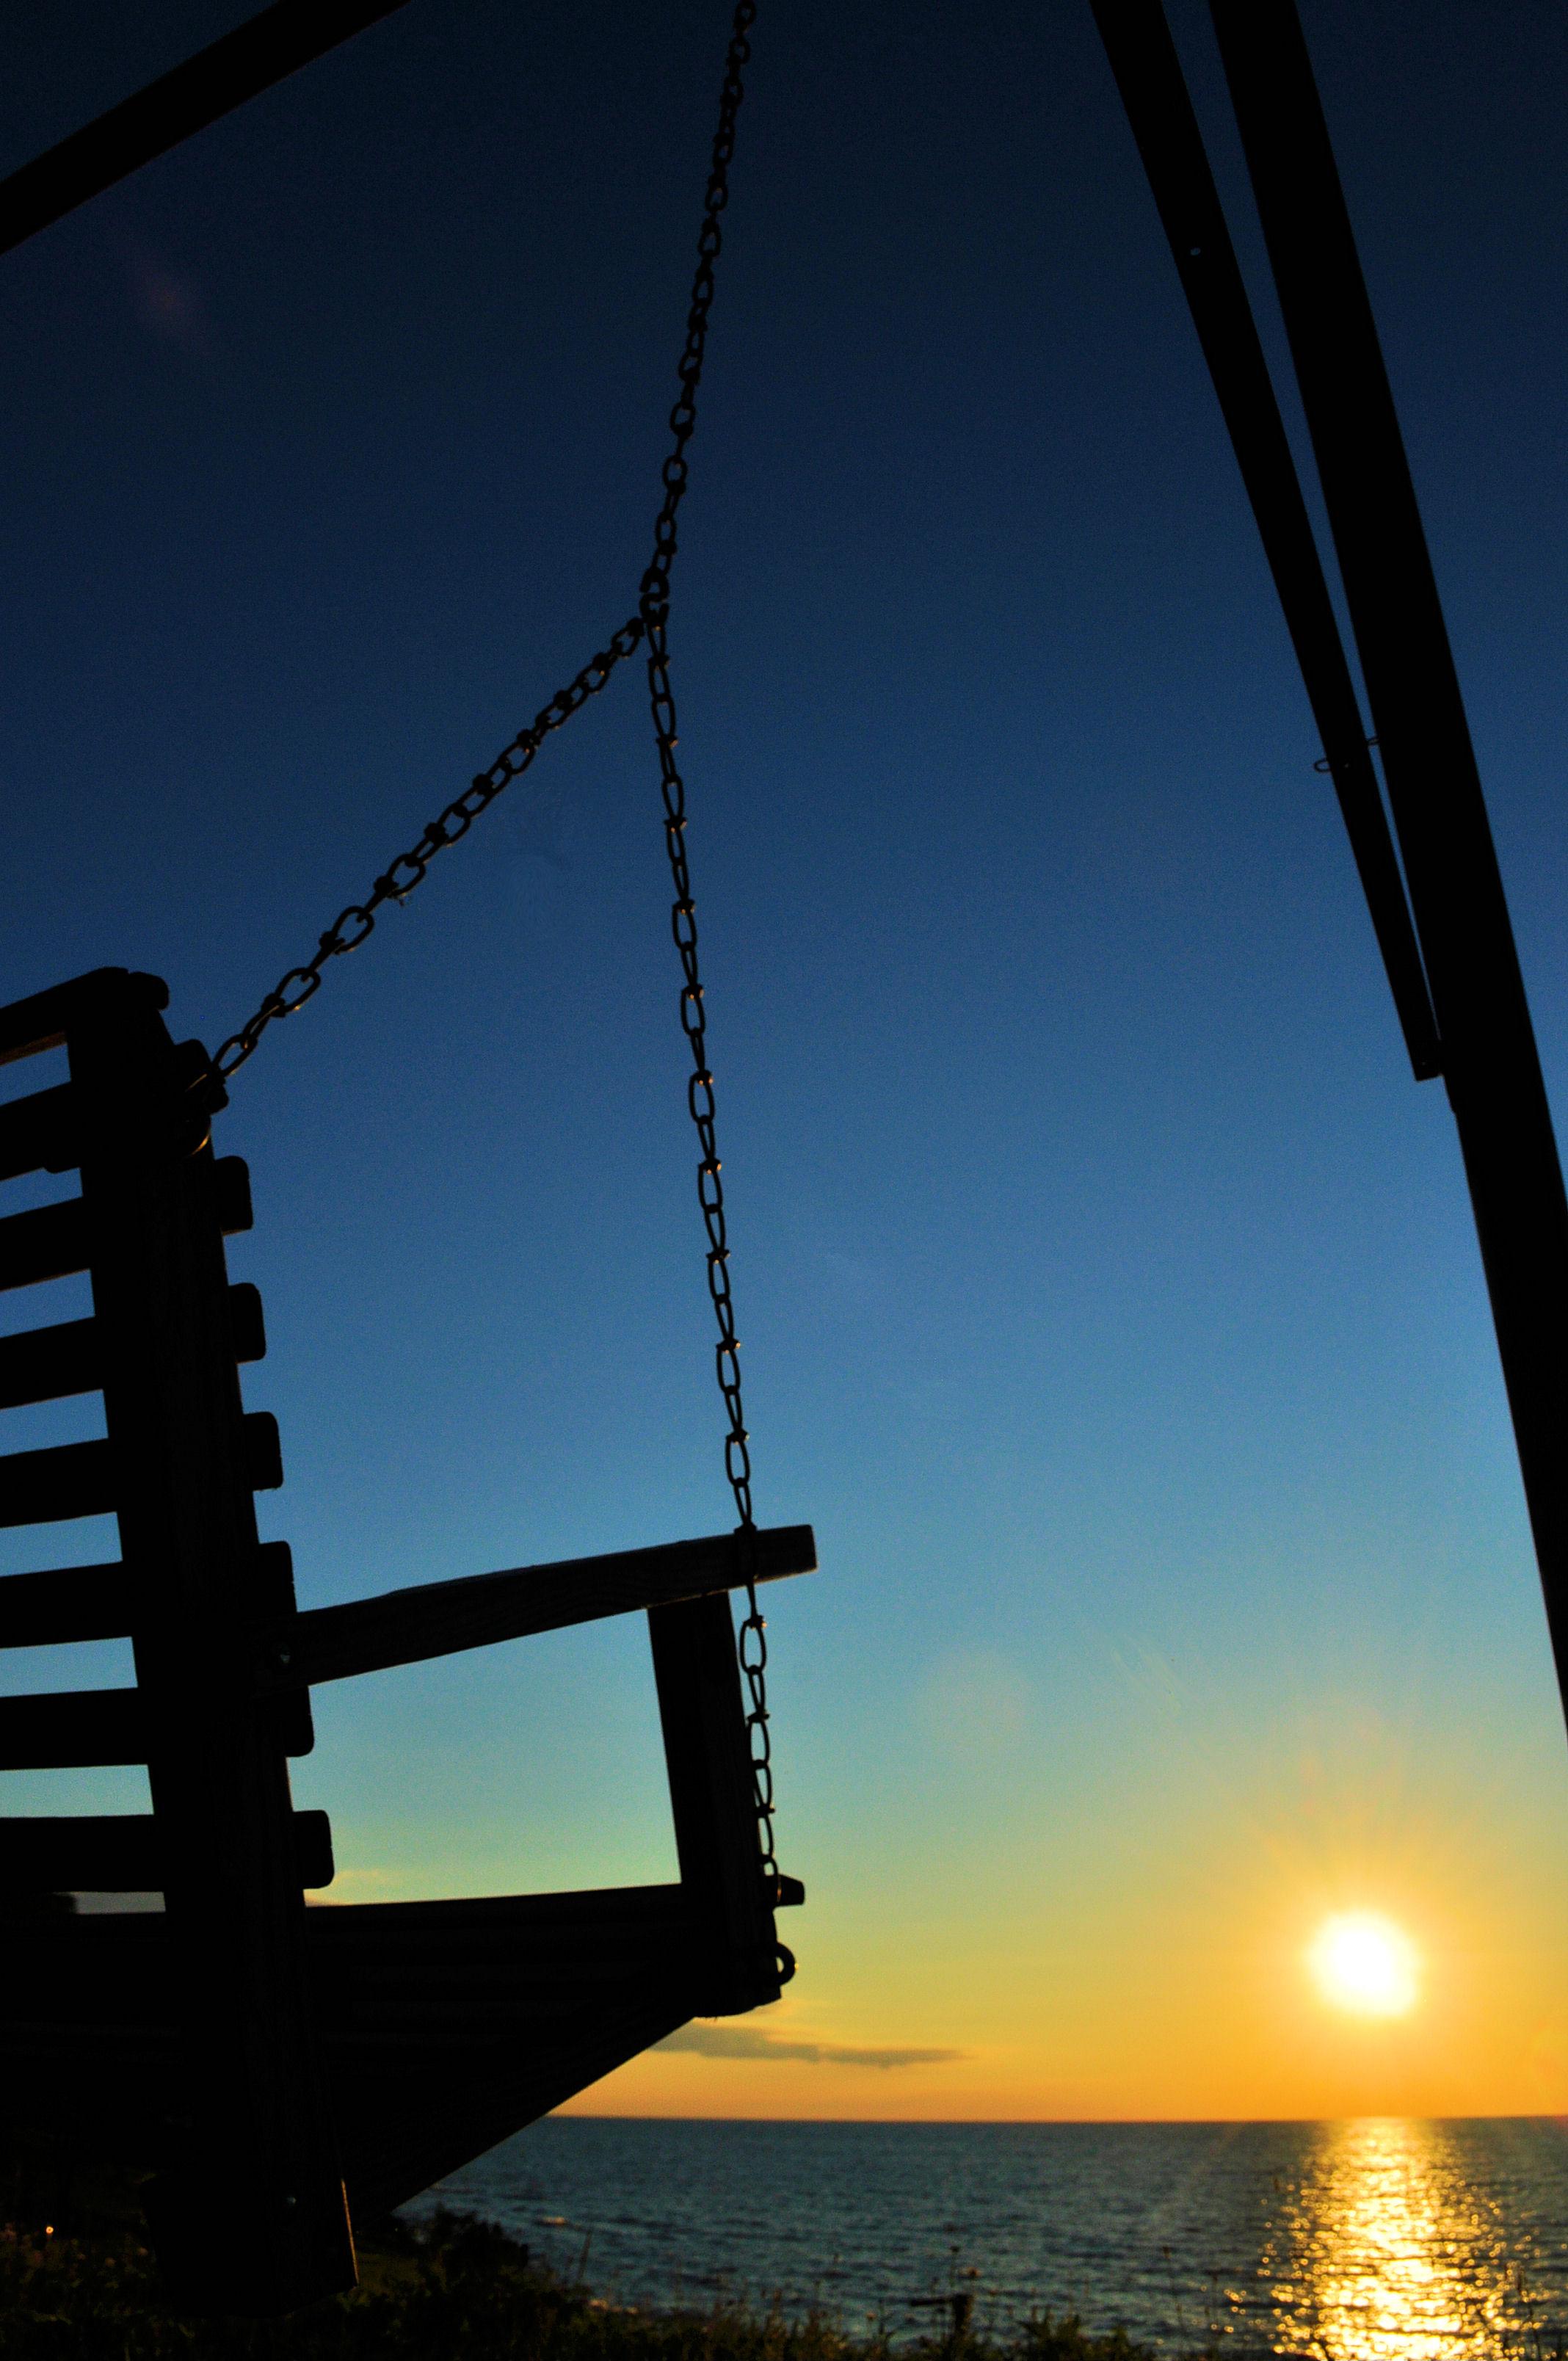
(273, 2069)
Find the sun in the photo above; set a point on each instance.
(1364, 1964)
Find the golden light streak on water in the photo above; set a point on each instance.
(1383, 2251)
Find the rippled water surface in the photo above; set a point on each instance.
(1362, 2241)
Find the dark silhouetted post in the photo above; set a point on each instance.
(1490, 1062)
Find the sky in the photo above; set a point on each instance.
(1109, 1296)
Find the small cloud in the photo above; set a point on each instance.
(746, 2041)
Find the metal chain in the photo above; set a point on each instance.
(655, 609)
(349, 928)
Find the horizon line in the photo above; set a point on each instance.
(1040, 2122)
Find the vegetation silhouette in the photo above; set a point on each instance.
(454, 2287)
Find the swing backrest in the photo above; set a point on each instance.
(244, 2109)
(242, 2049)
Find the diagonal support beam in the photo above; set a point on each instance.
(1154, 91)
(1490, 1061)
(439, 1619)
(292, 33)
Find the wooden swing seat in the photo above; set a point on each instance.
(443, 2026)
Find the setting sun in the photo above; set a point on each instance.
(1364, 1964)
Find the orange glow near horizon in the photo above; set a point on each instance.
(1253, 1982)
(1135, 1937)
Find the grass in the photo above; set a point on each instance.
(454, 2290)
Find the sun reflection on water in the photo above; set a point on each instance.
(1383, 2251)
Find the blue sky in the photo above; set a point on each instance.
(1109, 1296)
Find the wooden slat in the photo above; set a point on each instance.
(80, 1479)
(38, 1134)
(41, 1022)
(48, 1364)
(374, 1967)
(123, 1853)
(246, 1326)
(51, 1242)
(263, 1450)
(72, 1479)
(229, 1179)
(71, 1727)
(73, 1602)
(441, 1950)
(438, 1619)
(96, 1602)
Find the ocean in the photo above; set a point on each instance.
(1369, 2240)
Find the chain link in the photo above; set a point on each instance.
(655, 609)
(349, 928)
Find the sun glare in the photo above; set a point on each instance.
(1364, 1964)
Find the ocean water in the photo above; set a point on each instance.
(1370, 2240)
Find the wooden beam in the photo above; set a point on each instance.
(69, 1479)
(1154, 91)
(98, 1602)
(460, 1968)
(87, 1479)
(71, 1603)
(707, 1753)
(227, 1181)
(38, 1134)
(55, 1241)
(49, 1364)
(186, 100)
(51, 1242)
(1490, 1061)
(71, 1727)
(123, 1853)
(439, 1619)
(41, 1021)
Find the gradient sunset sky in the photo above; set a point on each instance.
(1108, 1291)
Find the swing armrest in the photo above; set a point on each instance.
(439, 1619)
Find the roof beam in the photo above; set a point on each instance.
(1148, 75)
(291, 34)
(1490, 1062)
